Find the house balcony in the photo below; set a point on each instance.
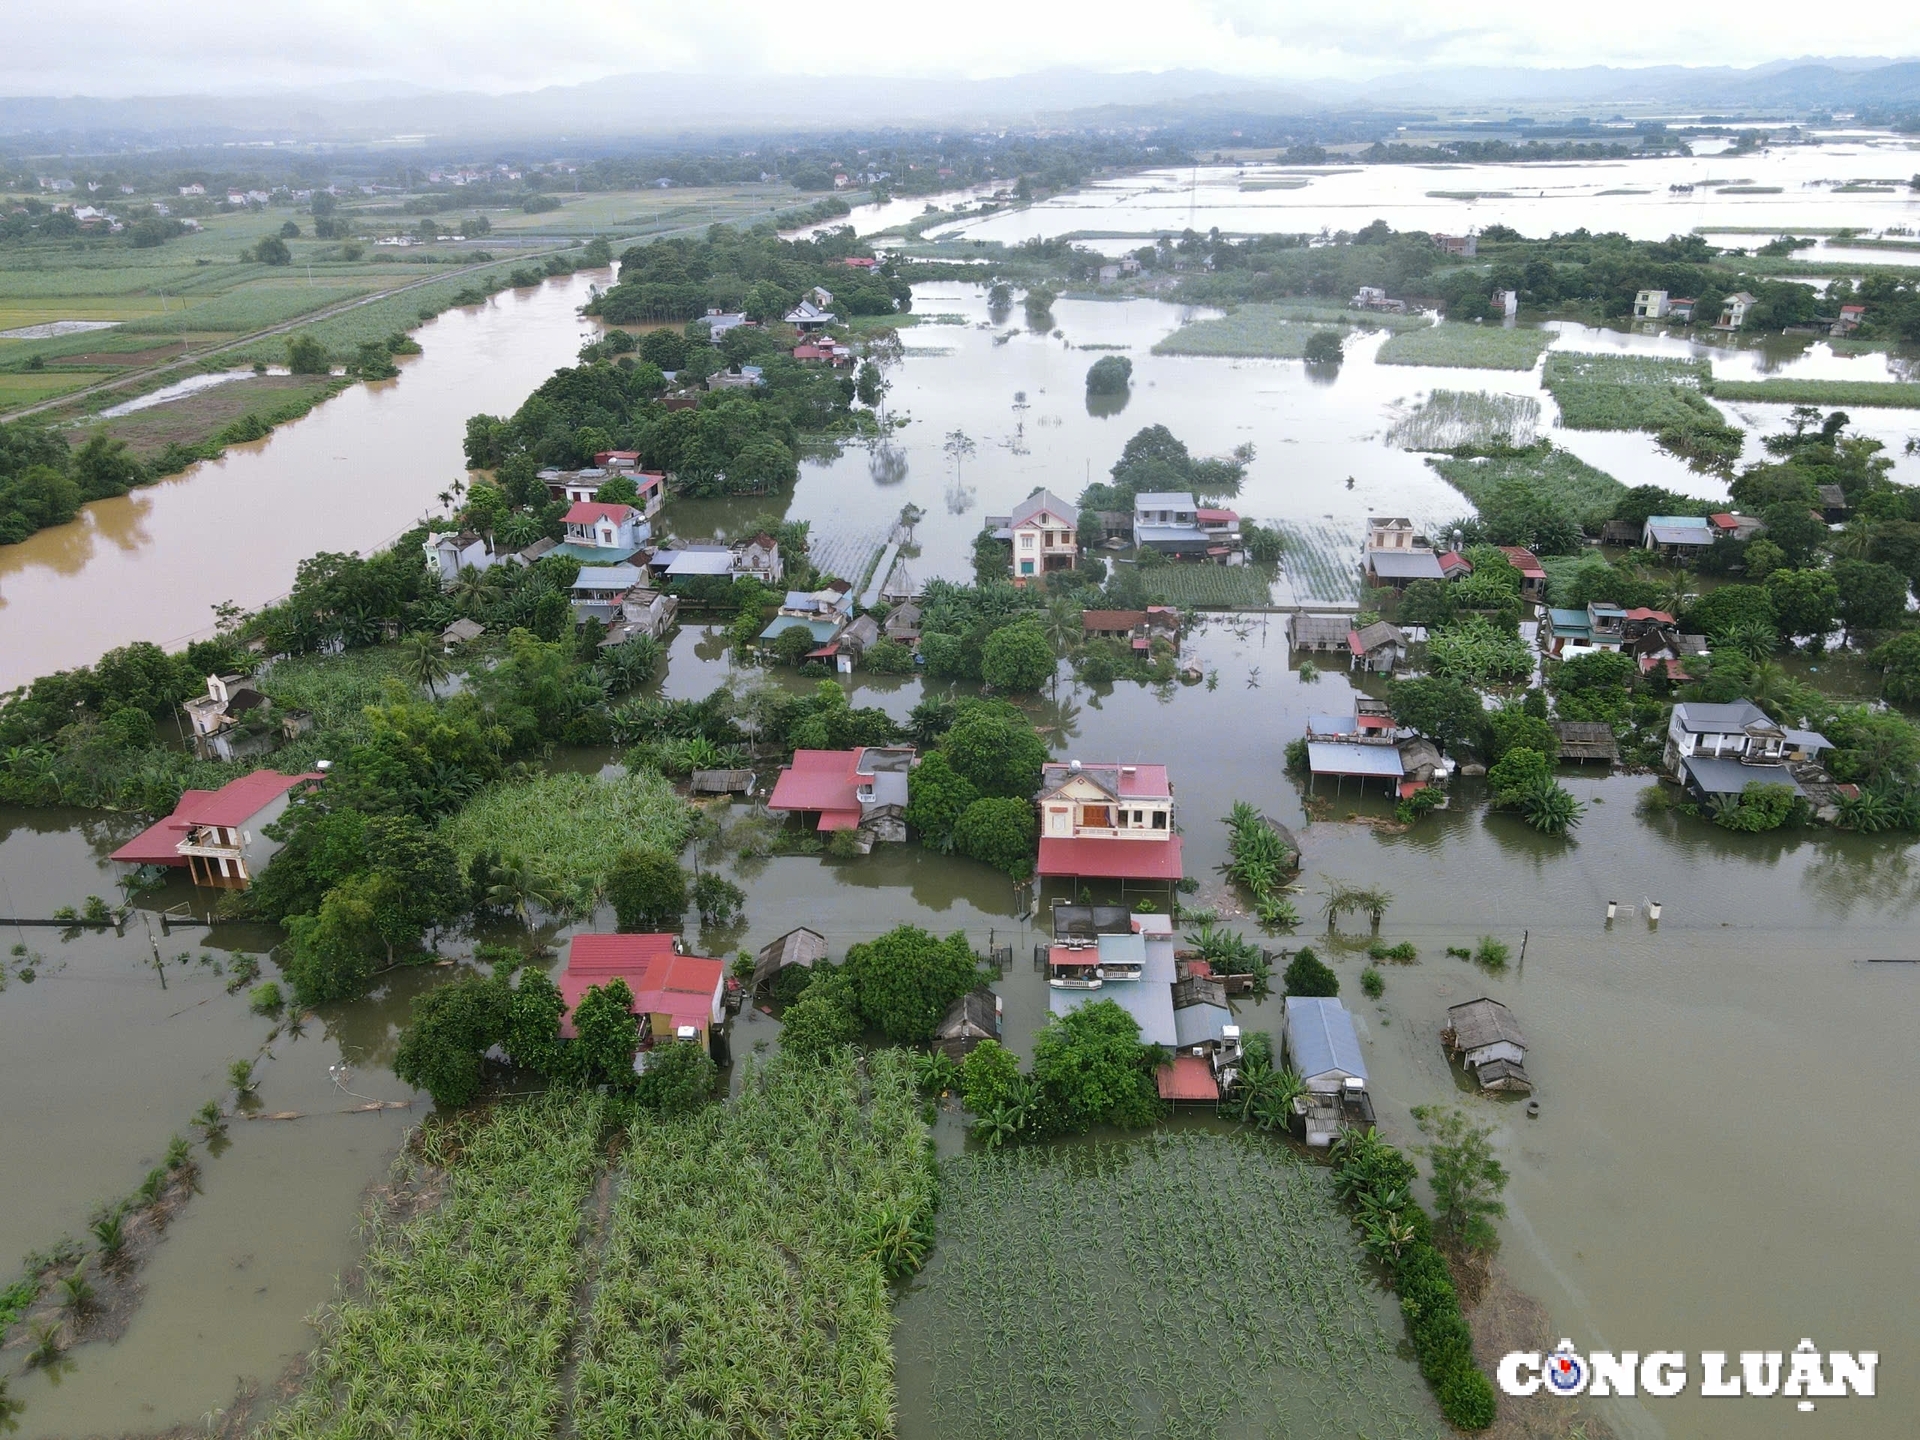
(1095, 832)
(206, 840)
(1076, 980)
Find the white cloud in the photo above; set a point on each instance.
(117, 47)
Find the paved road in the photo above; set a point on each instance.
(195, 357)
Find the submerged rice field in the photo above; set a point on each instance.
(1322, 560)
(1186, 1284)
(1450, 419)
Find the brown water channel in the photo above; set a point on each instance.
(355, 472)
(1724, 1159)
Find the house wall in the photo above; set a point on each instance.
(256, 847)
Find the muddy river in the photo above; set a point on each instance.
(1722, 1160)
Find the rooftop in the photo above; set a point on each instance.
(1718, 776)
(1096, 859)
(1699, 717)
(1163, 500)
(592, 512)
(1332, 757)
(1123, 782)
(1405, 564)
(1321, 1038)
(1045, 500)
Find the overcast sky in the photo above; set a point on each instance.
(148, 47)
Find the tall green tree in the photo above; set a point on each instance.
(904, 980)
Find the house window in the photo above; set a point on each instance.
(1096, 817)
(1026, 540)
(1159, 819)
(1026, 567)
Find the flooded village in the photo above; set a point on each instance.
(1229, 796)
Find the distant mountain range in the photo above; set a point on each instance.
(668, 104)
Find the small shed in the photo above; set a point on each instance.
(903, 623)
(1318, 632)
(1377, 647)
(972, 1018)
(1483, 1035)
(722, 782)
(1833, 503)
(1586, 740)
(1620, 532)
(1322, 1044)
(796, 947)
(461, 632)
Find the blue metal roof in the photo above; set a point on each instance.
(1149, 1003)
(1330, 757)
(1321, 1038)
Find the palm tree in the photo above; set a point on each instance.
(1769, 686)
(423, 662)
(1551, 809)
(468, 586)
(520, 884)
(1061, 623)
(1856, 541)
(1754, 639)
(1678, 586)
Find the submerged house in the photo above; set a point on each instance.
(801, 947)
(219, 836)
(1044, 531)
(1107, 821)
(861, 789)
(603, 534)
(1377, 647)
(974, 1017)
(1169, 521)
(1483, 1036)
(1135, 969)
(1718, 750)
(234, 719)
(675, 996)
(1677, 535)
(1324, 1050)
(1319, 633)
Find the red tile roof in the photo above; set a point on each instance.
(1643, 613)
(1096, 859)
(1187, 1077)
(821, 780)
(591, 512)
(1452, 560)
(681, 987)
(1146, 782)
(629, 457)
(1218, 517)
(232, 805)
(1524, 561)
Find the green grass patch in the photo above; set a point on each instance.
(1060, 1302)
(746, 1271)
(1451, 419)
(462, 1326)
(207, 420)
(1587, 494)
(1207, 587)
(1467, 347)
(575, 824)
(252, 307)
(1820, 392)
(1275, 332)
(1643, 392)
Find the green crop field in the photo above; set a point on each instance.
(1450, 419)
(1587, 494)
(462, 1329)
(1183, 1285)
(1820, 392)
(1277, 331)
(1207, 587)
(1468, 347)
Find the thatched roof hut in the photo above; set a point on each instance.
(796, 947)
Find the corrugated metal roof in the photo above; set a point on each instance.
(1321, 1039)
(1330, 757)
(1405, 564)
(1716, 776)
(1198, 1024)
(1149, 1004)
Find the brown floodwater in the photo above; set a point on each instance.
(1723, 1160)
(152, 564)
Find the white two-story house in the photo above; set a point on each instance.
(1107, 821)
(1044, 531)
(615, 531)
(1721, 749)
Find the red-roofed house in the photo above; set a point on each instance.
(861, 262)
(1733, 525)
(847, 789)
(675, 996)
(219, 835)
(1107, 822)
(1218, 524)
(618, 530)
(1533, 579)
(1453, 565)
(1187, 1078)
